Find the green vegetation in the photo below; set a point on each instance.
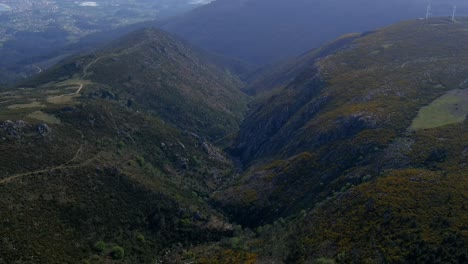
(118, 252)
(101, 175)
(371, 187)
(100, 246)
(332, 172)
(449, 109)
(324, 261)
(169, 84)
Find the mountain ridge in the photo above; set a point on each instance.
(91, 172)
(268, 31)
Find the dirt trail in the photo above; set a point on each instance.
(80, 149)
(62, 166)
(86, 68)
(39, 70)
(79, 89)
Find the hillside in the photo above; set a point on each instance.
(367, 147)
(265, 31)
(106, 158)
(354, 152)
(157, 72)
(41, 32)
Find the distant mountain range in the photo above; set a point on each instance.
(43, 32)
(265, 31)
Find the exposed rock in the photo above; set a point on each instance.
(91, 120)
(197, 139)
(13, 128)
(465, 152)
(214, 153)
(197, 216)
(184, 163)
(103, 94)
(396, 154)
(108, 95)
(43, 129)
(181, 145)
(218, 224)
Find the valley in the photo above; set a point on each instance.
(151, 150)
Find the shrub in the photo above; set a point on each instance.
(99, 246)
(141, 238)
(118, 252)
(324, 261)
(120, 145)
(141, 161)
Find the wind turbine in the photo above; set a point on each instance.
(454, 12)
(428, 10)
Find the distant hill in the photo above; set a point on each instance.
(41, 32)
(264, 31)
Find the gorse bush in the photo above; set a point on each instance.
(118, 252)
(100, 246)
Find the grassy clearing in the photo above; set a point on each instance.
(450, 108)
(32, 104)
(61, 99)
(41, 116)
(57, 91)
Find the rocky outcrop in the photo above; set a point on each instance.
(214, 153)
(43, 129)
(13, 129)
(19, 129)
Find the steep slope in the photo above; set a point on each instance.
(269, 79)
(97, 167)
(264, 31)
(21, 57)
(158, 72)
(357, 127)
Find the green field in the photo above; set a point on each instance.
(451, 108)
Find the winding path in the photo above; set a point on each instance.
(79, 89)
(38, 68)
(62, 166)
(86, 68)
(65, 165)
